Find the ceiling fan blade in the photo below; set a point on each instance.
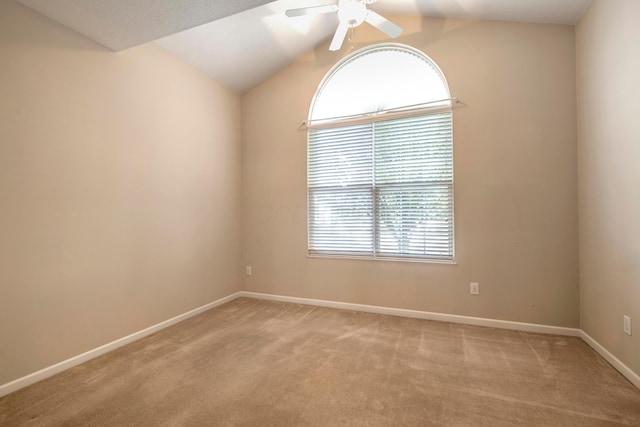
(338, 37)
(383, 24)
(291, 13)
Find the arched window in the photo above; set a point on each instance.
(380, 158)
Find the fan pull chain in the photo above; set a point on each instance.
(350, 38)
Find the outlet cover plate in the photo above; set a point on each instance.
(474, 288)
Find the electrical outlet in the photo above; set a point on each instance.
(247, 270)
(474, 288)
(627, 325)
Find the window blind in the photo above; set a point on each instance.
(382, 189)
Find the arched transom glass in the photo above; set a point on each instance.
(384, 77)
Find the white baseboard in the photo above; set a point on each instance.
(613, 361)
(452, 318)
(478, 321)
(91, 354)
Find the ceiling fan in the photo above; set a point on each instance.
(351, 13)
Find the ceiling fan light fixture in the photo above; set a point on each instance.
(352, 12)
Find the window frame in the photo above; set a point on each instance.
(372, 118)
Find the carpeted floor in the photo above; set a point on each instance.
(260, 363)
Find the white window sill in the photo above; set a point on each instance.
(371, 258)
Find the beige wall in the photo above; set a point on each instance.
(119, 191)
(608, 70)
(515, 178)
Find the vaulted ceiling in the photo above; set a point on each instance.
(242, 42)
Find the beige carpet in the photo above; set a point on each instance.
(259, 363)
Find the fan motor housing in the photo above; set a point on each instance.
(352, 12)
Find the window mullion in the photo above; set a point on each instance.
(374, 194)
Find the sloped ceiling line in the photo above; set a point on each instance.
(242, 42)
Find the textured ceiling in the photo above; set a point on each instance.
(121, 24)
(242, 42)
(566, 12)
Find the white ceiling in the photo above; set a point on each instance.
(244, 49)
(121, 24)
(242, 42)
